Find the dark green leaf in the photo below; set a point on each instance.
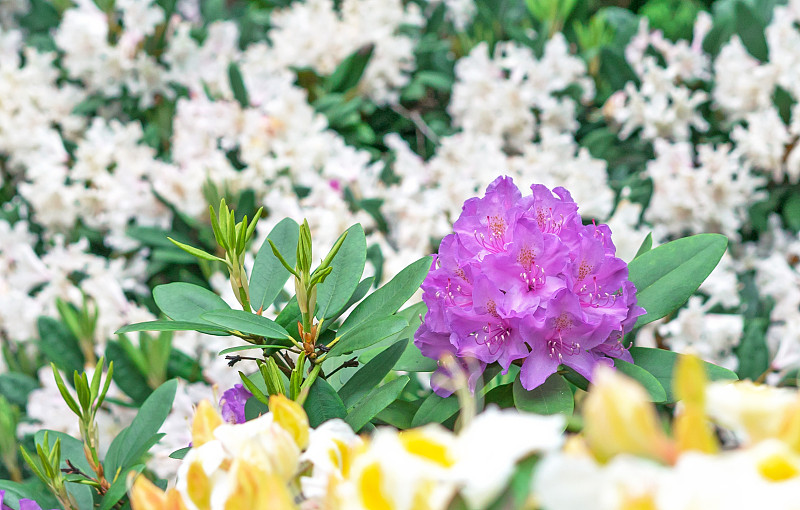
(348, 265)
(59, 345)
(660, 363)
(367, 334)
(180, 453)
(269, 275)
(666, 276)
(501, 396)
(126, 374)
(551, 397)
(254, 408)
(16, 386)
(435, 409)
(643, 377)
(119, 487)
(323, 403)
(374, 402)
(646, 246)
(237, 85)
(165, 325)
(750, 28)
(371, 374)
(186, 302)
(399, 413)
(389, 298)
(752, 351)
(246, 322)
(126, 449)
(349, 72)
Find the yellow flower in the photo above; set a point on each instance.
(146, 496)
(254, 488)
(291, 417)
(692, 429)
(206, 419)
(620, 418)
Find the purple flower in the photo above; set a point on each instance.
(24, 504)
(232, 404)
(522, 280)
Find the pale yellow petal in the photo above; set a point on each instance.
(206, 419)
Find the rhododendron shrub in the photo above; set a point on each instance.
(522, 280)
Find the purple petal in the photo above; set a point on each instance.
(232, 404)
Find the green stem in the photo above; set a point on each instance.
(306, 386)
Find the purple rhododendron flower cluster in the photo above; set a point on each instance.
(521, 278)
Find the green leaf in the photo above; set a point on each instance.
(200, 254)
(349, 72)
(752, 350)
(239, 348)
(72, 450)
(348, 266)
(254, 408)
(435, 409)
(269, 275)
(501, 396)
(551, 397)
(165, 325)
(126, 374)
(186, 302)
(376, 401)
(666, 276)
(371, 374)
(237, 85)
(119, 487)
(646, 246)
(399, 413)
(59, 345)
(750, 28)
(412, 359)
(615, 68)
(246, 322)
(660, 363)
(16, 386)
(135, 440)
(367, 334)
(323, 403)
(180, 453)
(643, 377)
(389, 298)
(791, 212)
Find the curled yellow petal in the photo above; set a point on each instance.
(291, 417)
(174, 501)
(205, 421)
(198, 486)
(255, 488)
(146, 496)
(370, 489)
(619, 418)
(417, 442)
(692, 428)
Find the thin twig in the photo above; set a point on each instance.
(352, 362)
(418, 122)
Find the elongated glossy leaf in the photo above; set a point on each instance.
(269, 275)
(237, 85)
(376, 401)
(368, 333)
(666, 276)
(59, 345)
(246, 322)
(399, 413)
(239, 348)
(752, 350)
(323, 403)
(660, 363)
(165, 325)
(435, 409)
(646, 245)
(643, 377)
(750, 28)
(127, 447)
(119, 487)
(551, 397)
(348, 266)
(371, 374)
(186, 302)
(412, 359)
(389, 298)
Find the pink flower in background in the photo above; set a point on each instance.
(523, 279)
